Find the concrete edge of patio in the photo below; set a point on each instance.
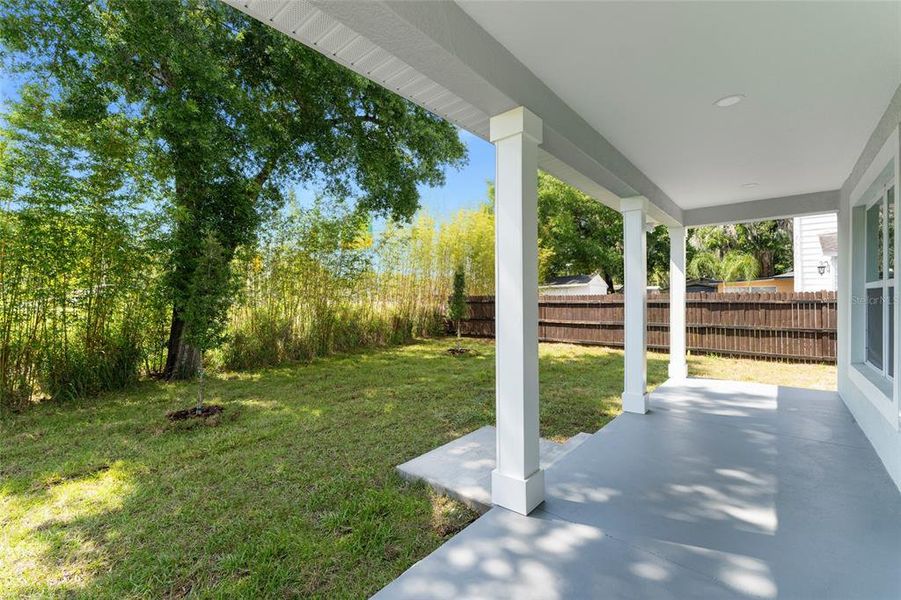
(461, 469)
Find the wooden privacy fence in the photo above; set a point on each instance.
(798, 326)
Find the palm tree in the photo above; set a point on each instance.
(734, 266)
(739, 266)
(704, 264)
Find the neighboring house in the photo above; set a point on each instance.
(574, 285)
(704, 285)
(778, 283)
(816, 252)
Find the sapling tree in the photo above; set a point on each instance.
(206, 305)
(457, 308)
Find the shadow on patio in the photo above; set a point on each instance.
(722, 490)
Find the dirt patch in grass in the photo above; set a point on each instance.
(207, 411)
(449, 516)
(458, 351)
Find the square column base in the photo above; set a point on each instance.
(518, 495)
(635, 403)
(678, 370)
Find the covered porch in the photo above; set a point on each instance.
(678, 115)
(723, 490)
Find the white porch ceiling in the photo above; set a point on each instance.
(817, 78)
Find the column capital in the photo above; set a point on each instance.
(676, 228)
(519, 120)
(633, 203)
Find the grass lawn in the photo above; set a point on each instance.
(292, 491)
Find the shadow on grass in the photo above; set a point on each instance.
(292, 493)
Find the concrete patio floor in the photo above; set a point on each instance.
(462, 468)
(723, 490)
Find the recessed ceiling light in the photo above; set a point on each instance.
(750, 184)
(729, 100)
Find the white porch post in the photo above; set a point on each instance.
(635, 288)
(678, 367)
(517, 483)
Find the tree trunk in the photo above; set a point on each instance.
(199, 408)
(767, 260)
(182, 360)
(609, 281)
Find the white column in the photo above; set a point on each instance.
(678, 367)
(517, 483)
(635, 288)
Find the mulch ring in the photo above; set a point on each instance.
(458, 351)
(208, 410)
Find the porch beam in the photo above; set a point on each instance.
(768, 208)
(678, 367)
(517, 482)
(635, 288)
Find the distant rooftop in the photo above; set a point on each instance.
(569, 280)
(829, 244)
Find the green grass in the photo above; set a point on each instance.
(292, 493)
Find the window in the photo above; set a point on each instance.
(880, 276)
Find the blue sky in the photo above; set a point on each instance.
(9, 86)
(464, 188)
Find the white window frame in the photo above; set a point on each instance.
(887, 279)
(883, 395)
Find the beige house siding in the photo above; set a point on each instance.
(778, 285)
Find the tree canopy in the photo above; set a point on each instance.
(741, 252)
(220, 113)
(579, 235)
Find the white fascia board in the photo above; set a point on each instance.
(867, 161)
(769, 208)
(439, 40)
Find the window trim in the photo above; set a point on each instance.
(882, 168)
(886, 282)
(878, 193)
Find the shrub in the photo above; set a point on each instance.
(71, 373)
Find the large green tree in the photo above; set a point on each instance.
(579, 235)
(770, 242)
(226, 113)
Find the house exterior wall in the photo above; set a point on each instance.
(808, 254)
(873, 402)
(775, 285)
(596, 287)
(566, 290)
